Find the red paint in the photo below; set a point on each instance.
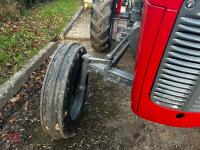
(168, 4)
(148, 35)
(157, 24)
(174, 4)
(119, 5)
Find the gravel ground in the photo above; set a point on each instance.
(108, 122)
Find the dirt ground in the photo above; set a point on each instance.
(108, 122)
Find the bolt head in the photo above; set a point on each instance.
(190, 3)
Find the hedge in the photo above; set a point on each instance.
(12, 9)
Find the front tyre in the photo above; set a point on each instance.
(62, 102)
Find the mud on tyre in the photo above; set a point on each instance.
(61, 102)
(101, 24)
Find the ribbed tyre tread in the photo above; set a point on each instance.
(54, 104)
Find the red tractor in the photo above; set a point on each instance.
(165, 37)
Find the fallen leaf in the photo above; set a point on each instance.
(57, 127)
(14, 99)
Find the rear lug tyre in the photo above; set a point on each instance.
(101, 25)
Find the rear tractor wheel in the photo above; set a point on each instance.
(62, 101)
(101, 24)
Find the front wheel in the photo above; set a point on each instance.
(62, 102)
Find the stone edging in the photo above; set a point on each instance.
(73, 20)
(10, 87)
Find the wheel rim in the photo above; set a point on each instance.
(77, 97)
(76, 103)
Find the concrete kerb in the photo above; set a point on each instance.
(70, 25)
(10, 88)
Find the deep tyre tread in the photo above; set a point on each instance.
(59, 89)
(101, 24)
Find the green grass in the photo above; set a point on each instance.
(21, 40)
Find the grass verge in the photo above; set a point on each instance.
(21, 40)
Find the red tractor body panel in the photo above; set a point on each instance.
(157, 24)
(169, 4)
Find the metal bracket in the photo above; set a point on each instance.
(106, 67)
(99, 66)
(114, 75)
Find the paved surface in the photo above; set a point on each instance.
(108, 122)
(80, 30)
